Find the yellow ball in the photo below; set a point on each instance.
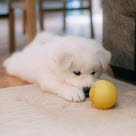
(103, 94)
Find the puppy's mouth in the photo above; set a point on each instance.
(86, 92)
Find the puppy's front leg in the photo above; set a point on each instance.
(53, 85)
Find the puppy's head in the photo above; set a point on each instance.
(81, 67)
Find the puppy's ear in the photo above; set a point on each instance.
(64, 60)
(104, 56)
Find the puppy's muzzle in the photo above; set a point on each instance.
(86, 91)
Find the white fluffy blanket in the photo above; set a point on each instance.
(27, 111)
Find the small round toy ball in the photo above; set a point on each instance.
(103, 94)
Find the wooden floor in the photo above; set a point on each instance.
(77, 24)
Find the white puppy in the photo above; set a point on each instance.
(66, 66)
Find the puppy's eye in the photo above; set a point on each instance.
(78, 73)
(93, 73)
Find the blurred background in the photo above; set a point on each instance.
(77, 21)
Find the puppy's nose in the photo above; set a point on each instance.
(86, 90)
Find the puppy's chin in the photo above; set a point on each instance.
(75, 82)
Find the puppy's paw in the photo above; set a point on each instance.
(73, 94)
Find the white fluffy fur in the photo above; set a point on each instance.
(50, 61)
